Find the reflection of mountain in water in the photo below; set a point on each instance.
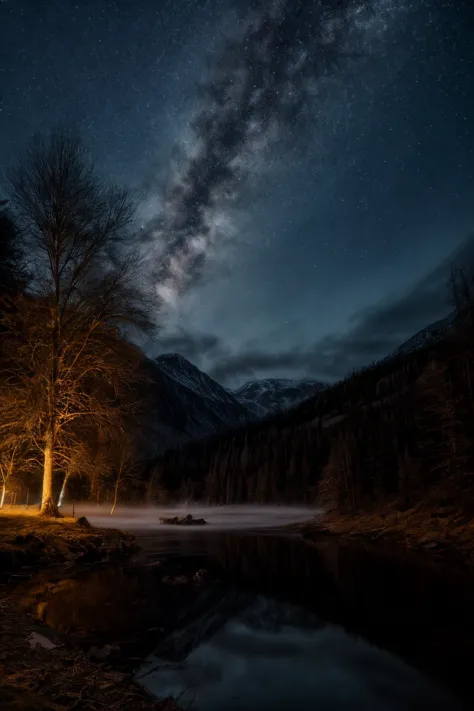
(209, 615)
(405, 605)
(282, 610)
(286, 608)
(272, 656)
(267, 615)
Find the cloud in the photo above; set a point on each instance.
(373, 334)
(258, 91)
(193, 346)
(329, 359)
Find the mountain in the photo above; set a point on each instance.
(378, 417)
(186, 404)
(430, 335)
(264, 397)
(190, 377)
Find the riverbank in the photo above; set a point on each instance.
(38, 669)
(29, 540)
(441, 533)
(38, 672)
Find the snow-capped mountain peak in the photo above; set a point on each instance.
(185, 373)
(272, 395)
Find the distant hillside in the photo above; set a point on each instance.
(190, 406)
(186, 404)
(432, 334)
(398, 429)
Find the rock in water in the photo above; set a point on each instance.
(83, 522)
(187, 520)
(201, 576)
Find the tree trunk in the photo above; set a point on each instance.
(48, 507)
(63, 489)
(117, 484)
(2, 499)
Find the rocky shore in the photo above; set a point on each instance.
(27, 540)
(40, 668)
(441, 533)
(38, 672)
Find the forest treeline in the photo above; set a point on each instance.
(400, 430)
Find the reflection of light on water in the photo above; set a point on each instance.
(278, 667)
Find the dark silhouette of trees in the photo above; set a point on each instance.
(13, 273)
(398, 432)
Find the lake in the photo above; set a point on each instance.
(274, 623)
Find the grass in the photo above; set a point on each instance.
(29, 539)
(32, 513)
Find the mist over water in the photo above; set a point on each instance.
(219, 518)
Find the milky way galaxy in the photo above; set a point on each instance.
(304, 169)
(264, 83)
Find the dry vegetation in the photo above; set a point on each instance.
(27, 539)
(441, 531)
(60, 678)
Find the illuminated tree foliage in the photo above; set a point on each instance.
(67, 368)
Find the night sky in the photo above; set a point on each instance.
(305, 174)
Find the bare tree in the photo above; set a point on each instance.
(71, 362)
(13, 276)
(80, 457)
(10, 452)
(126, 467)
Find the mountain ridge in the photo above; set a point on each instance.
(189, 405)
(186, 405)
(272, 395)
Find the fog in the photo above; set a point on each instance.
(219, 518)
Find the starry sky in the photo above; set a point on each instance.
(304, 171)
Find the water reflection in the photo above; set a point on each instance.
(285, 626)
(272, 656)
(415, 611)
